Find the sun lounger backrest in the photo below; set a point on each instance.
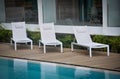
(19, 30)
(81, 34)
(47, 32)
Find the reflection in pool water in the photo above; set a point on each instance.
(25, 69)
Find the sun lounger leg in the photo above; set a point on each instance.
(71, 46)
(44, 48)
(31, 45)
(15, 46)
(108, 54)
(90, 52)
(11, 41)
(61, 46)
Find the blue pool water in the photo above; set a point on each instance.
(23, 69)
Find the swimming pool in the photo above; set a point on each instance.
(26, 69)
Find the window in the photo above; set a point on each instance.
(21, 10)
(113, 13)
(73, 12)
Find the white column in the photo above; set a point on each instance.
(104, 11)
(40, 14)
(105, 16)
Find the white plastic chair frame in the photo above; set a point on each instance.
(48, 37)
(83, 39)
(19, 34)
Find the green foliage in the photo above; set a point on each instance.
(5, 35)
(35, 36)
(66, 39)
(112, 41)
(100, 39)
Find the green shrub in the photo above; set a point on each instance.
(112, 41)
(66, 39)
(35, 36)
(100, 39)
(5, 35)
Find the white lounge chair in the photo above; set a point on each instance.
(19, 34)
(48, 36)
(83, 39)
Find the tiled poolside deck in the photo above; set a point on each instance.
(78, 57)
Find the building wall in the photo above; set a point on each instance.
(103, 30)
